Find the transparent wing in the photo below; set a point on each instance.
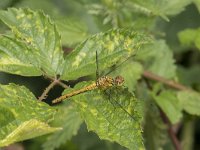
(120, 98)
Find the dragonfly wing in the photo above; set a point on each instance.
(111, 122)
(126, 102)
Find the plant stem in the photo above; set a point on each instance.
(63, 84)
(46, 91)
(54, 82)
(170, 130)
(167, 82)
(59, 82)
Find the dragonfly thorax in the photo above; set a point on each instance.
(106, 81)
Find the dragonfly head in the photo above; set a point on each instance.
(119, 80)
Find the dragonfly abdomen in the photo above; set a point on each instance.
(73, 93)
(102, 83)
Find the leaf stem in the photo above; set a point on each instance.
(167, 82)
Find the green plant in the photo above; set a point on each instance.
(126, 36)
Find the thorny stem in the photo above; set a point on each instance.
(46, 91)
(59, 82)
(54, 82)
(63, 84)
(171, 132)
(169, 83)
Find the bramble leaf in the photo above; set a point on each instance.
(154, 121)
(17, 131)
(158, 58)
(35, 42)
(163, 7)
(72, 31)
(169, 103)
(190, 101)
(114, 114)
(70, 121)
(112, 46)
(189, 37)
(21, 115)
(14, 66)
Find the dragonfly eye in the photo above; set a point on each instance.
(119, 80)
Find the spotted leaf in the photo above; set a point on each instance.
(114, 114)
(112, 46)
(21, 115)
(35, 40)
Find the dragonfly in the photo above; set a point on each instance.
(103, 83)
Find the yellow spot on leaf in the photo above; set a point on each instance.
(20, 16)
(29, 40)
(78, 59)
(110, 46)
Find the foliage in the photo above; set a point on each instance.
(21, 113)
(189, 37)
(103, 113)
(69, 41)
(67, 118)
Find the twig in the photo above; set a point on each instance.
(54, 82)
(63, 84)
(46, 91)
(170, 83)
(59, 82)
(170, 130)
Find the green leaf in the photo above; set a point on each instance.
(189, 37)
(72, 31)
(70, 121)
(169, 103)
(114, 114)
(21, 113)
(121, 14)
(163, 7)
(36, 40)
(14, 66)
(158, 137)
(112, 46)
(158, 58)
(18, 131)
(190, 102)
